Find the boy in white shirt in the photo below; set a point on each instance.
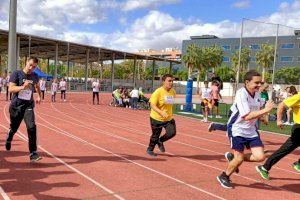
(242, 129)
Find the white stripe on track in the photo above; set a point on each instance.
(122, 138)
(3, 194)
(22, 136)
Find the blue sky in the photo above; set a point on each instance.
(141, 24)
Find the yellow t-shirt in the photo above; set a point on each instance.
(164, 100)
(293, 102)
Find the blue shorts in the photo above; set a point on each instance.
(238, 143)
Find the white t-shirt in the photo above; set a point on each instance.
(95, 86)
(134, 93)
(62, 85)
(206, 93)
(43, 85)
(244, 103)
(54, 87)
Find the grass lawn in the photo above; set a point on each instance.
(224, 108)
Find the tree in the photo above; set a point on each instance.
(190, 58)
(288, 75)
(245, 59)
(225, 73)
(162, 71)
(265, 58)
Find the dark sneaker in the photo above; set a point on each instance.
(211, 127)
(35, 157)
(151, 152)
(8, 145)
(296, 166)
(224, 181)
(263, 172)
(161, 146)
(229, 157)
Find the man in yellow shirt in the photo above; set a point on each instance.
(292, 142)
(161, 115)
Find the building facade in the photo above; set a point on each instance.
(288, 48)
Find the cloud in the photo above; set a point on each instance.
(131, 5)
(156, 30)
(241, 5)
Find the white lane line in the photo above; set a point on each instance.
(3, 194)
(22, 136)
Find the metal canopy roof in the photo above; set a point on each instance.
(42, 47)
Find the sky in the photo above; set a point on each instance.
(132, 25)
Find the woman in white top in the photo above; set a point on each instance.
(134, 94)
(63, 87)
(43, 87)
(96, 88)
(54, 87)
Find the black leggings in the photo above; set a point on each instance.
(157, 127)
(290, 145)
(17, 114)
(96, 94)
(63, 94)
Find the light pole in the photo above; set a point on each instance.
(12, 38)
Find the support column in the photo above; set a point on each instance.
(29, 46)
(68, 65)
(153, 74)
(112, 71)
(48, 67)
(18, 52)
(134, 72)
(170, 68)
(12, 36)
(56, 60)
(86, 68)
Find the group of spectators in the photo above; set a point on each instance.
(128, 98)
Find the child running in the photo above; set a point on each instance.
(242, 129)
(161, 115)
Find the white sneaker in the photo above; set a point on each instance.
(210, 116)
(287, 123)
(218, 116)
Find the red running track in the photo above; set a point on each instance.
(98, 152)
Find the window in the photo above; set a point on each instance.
(286, 59)
(254, 47)
(287, 46)
(237, 47)
(298, 59)
(252, 59)
(226, 47)
(226, 59)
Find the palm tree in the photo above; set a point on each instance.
(190, 58)
(265, 57)
(245, 59)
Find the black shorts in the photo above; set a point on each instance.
(216, 102)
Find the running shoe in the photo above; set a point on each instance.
(151, 152)
(35, 157)
(296, 166)
(211, 127)
(224, 181)
(262, 172)
(161, 146)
